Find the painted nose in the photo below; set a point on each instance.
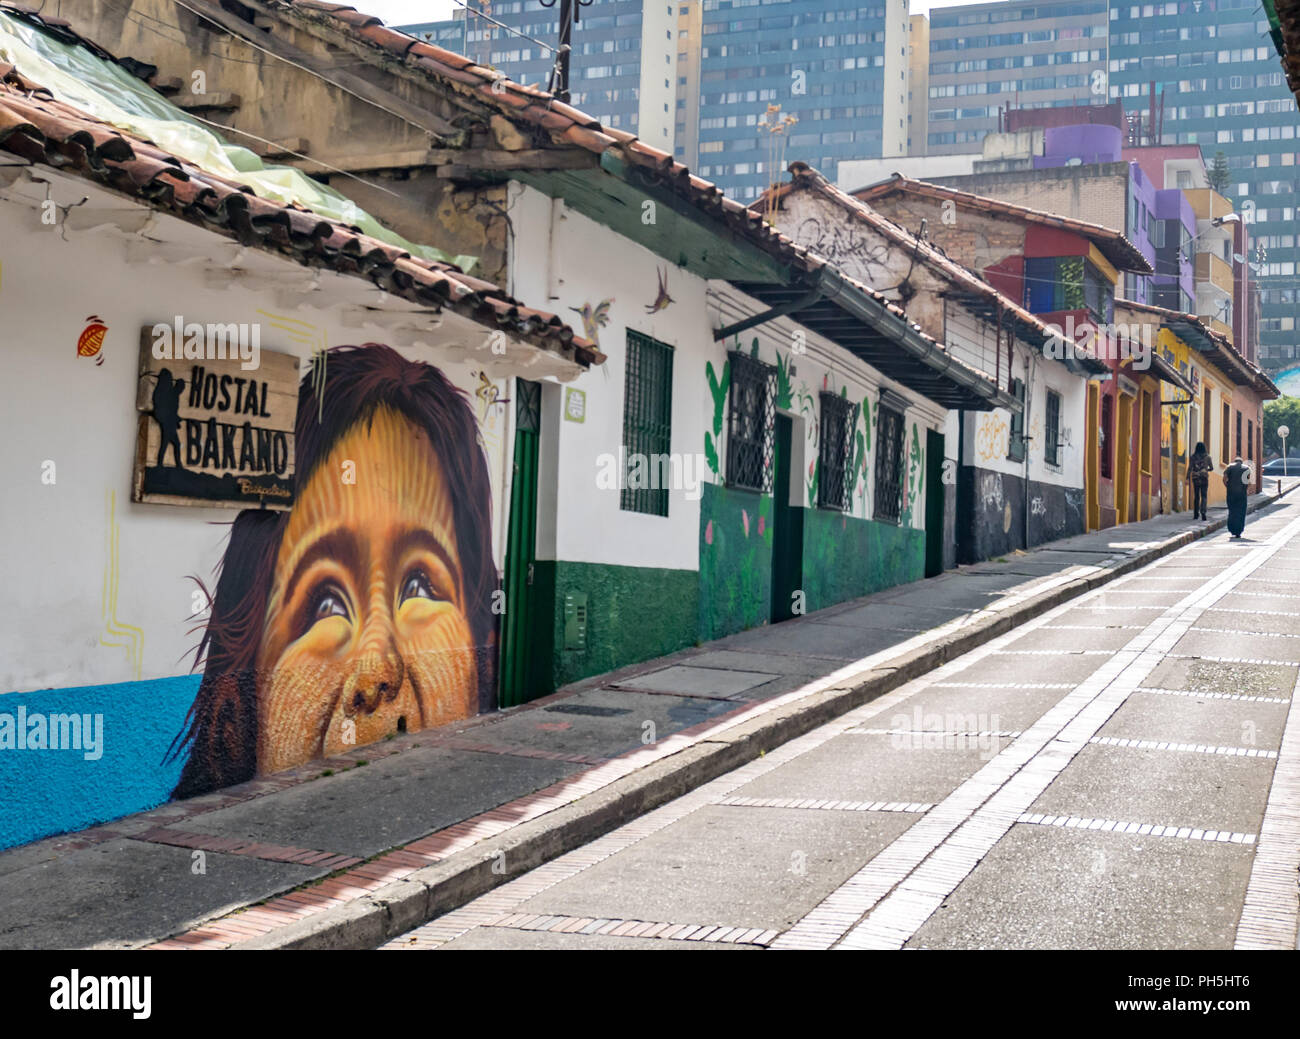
(377, 680)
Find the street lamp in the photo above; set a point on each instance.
(1218, 221)
(1283, 432)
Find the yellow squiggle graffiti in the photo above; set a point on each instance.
(991, 438)
(134, 644)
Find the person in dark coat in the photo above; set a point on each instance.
(1198, 475)
(1236, 478)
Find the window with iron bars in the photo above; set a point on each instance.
(1016, 441)
(647, 423)
(1052, 446)
(889, 464)
(836, 443)
(750, 423)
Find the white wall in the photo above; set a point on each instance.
(988, 432)
(72, 574)
(590, 263)
(578, 520)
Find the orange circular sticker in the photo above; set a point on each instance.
(91, 339)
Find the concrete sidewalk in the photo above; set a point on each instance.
(353, 850)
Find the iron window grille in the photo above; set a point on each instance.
(528, 405)
(836, 445)
(1052, 447)
(647, 424)
(889, 464)
(751, 423)
(1016, 442)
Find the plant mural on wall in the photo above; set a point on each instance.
(915, 476)
(718, 390)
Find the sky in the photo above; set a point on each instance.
(411, 12)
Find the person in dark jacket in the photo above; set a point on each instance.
(1198, 475)
(1236, 478)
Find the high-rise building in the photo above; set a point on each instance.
(1218, 85)
(1022, 54)
(838, 67)
(623, 63)
(918, 84)
(710, 79)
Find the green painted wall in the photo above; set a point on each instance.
(735, 578)
(634, 613)
(845, 557)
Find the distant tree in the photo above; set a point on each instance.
(1285, 411)
(1219, 174)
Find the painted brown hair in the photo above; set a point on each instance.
(220, 730)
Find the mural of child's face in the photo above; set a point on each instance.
(366, 628)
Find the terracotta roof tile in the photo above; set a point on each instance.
(804, 177)
(1117, 248)
(40, 129)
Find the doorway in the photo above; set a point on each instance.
(526, 625)
(787, 528)
(1092, 459)
(934, 502)
(1124, 458)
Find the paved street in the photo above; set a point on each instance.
(1104, 776)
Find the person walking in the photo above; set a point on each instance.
(1236, 478)
(1198, 475)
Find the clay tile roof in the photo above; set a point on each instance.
(40, 129)
(1113, 245)
(805, 177)
(1220, 344)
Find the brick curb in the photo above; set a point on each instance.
(430, 891)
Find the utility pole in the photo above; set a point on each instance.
(570, 12)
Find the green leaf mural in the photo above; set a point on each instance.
(915, 474)
(718, 390)
(784, 389)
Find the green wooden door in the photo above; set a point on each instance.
(787, 528)
(934, 501)
(524, 658)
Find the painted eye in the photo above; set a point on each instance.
(418, 586)
(329, 603)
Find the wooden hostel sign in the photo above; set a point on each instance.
(217, 415)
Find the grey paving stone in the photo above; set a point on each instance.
(1005, 667)
(1011, 710)
(1199, 642)
(1051, 888)
(125, 893)
(692, 679)
(1186, 719)
(878, 768)
(602, 723)
(1251, 679)
(1162, 787)
(745, 867)
(394, 800)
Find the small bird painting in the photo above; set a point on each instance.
(594, 318)
(662, 299)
